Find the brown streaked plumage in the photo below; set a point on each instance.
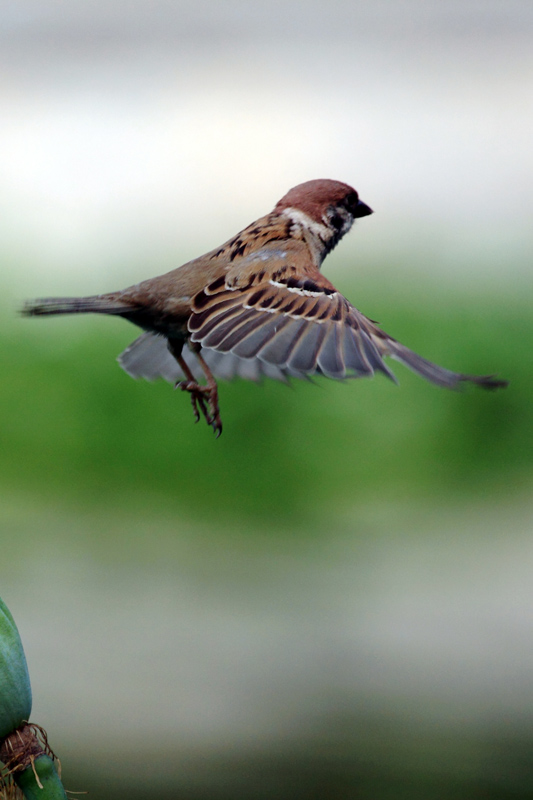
(257, 306)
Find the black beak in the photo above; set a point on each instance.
(362, 210)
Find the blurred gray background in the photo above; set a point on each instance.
(335, 600)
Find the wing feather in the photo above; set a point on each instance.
(229, 329)
(373, 354)
(330, 358)
(354, 354)
(305, 354)
(213, 316)
(295, 326)
(300, 327)
(148, 357)
(438, 375)
(260, 336)
(280, 346)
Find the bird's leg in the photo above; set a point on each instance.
(196, 391)
(189, 385)
(211, 392)
(199, 394)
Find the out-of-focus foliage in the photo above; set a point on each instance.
(300, 534)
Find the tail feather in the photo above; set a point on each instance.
(98, 304)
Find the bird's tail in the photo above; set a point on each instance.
(97, 304)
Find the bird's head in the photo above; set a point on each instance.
(327, 208)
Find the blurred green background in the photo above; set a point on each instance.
(333, 600)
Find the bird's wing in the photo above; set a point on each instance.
(303, 325)
(149, 357)
(299, 324)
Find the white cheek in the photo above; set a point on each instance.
(301, 220)
(347, 225)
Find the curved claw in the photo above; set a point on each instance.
(199, 395)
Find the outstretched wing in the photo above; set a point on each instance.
(149, 357)
(303, 325)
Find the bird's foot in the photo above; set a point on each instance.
(204, 400)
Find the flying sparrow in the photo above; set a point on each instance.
(257, 306)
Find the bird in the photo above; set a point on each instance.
(258, 306)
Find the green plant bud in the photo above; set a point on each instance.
(41, 781)
(15, 688)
